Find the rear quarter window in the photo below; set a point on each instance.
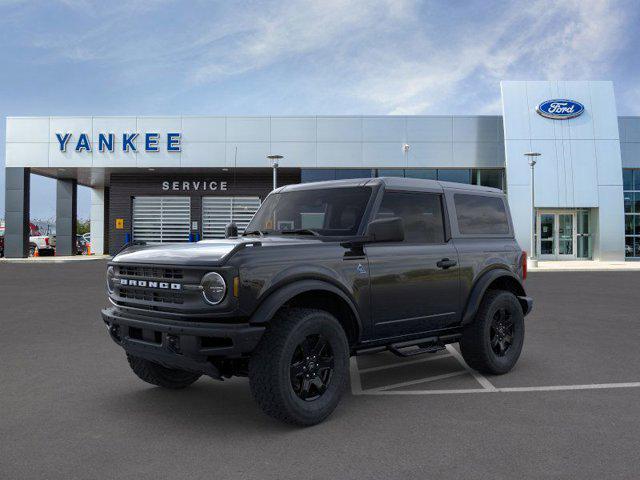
(481, 215)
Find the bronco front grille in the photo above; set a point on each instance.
(148, 295)
(150, 272)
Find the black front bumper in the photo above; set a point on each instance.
(182, 345)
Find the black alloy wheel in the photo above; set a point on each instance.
(501, 333)
(300, 368)
(311, 367)
(493, 341)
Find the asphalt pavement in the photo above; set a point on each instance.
(72, 409)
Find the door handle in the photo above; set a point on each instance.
(446, 263)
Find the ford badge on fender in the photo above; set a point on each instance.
(560, 109)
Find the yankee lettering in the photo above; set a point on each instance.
(129, 142)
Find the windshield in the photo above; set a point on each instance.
(327, 212)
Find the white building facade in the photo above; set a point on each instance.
(178, 178)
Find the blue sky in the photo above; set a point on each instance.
(76, 57)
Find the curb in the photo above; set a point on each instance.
(49, 260)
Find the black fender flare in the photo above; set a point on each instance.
(276, 299)
(481, 286)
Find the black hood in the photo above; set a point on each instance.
(206, 252)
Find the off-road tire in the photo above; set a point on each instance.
(156, 374)
(270, 366)
(476, 346)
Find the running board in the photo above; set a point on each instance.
(422, 345)
(403, 349)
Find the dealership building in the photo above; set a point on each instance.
(183, 178)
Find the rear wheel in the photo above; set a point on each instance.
(493, 342)
(300, 369)
(156, 374)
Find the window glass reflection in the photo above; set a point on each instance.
(459, 175)
(390, 172)
(424, 173)
(627, 178)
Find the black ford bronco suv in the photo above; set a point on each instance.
(322, 272)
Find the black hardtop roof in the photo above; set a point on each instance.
(391, 182)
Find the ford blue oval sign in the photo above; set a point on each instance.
(560, 109)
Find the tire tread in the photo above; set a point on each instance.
(475, 350)
(263, 367)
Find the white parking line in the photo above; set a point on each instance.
(416, 382)
(553, 388)
(486, 384)
(544, 388)
(356, 385)
(400, 364)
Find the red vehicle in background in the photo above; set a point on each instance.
(45, 244)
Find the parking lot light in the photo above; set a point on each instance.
(531, 156)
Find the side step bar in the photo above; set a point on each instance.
(415, 347)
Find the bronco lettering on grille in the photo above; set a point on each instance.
(148, 284)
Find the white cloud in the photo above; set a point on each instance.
(391, 56)
(540, 39)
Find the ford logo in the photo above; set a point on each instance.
(560, 109)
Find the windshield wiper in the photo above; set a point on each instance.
(300, 231)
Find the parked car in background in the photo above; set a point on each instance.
(81, 245)
(45, 243)
(87, 237)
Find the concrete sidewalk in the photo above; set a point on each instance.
(54, 259)
(583, 266)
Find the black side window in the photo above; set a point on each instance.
(481, 215)
(421, 214)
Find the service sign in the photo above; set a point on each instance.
(149, 141)
(560, 109)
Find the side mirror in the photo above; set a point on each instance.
(386, 230)
(230, 230)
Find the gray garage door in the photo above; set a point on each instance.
(217, 212)
(161, 219)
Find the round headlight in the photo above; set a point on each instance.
(111, 276)
(214, 288)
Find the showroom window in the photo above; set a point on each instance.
(487, 177)
(324, 174)
(631, 182)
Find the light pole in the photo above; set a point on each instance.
(531, 156)
(274, 163)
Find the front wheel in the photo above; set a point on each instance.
(493, 342)
(300, 368)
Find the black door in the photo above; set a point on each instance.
(415, 283)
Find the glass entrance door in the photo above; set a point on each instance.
(547, 242)
(556, 234)
(566, 234)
